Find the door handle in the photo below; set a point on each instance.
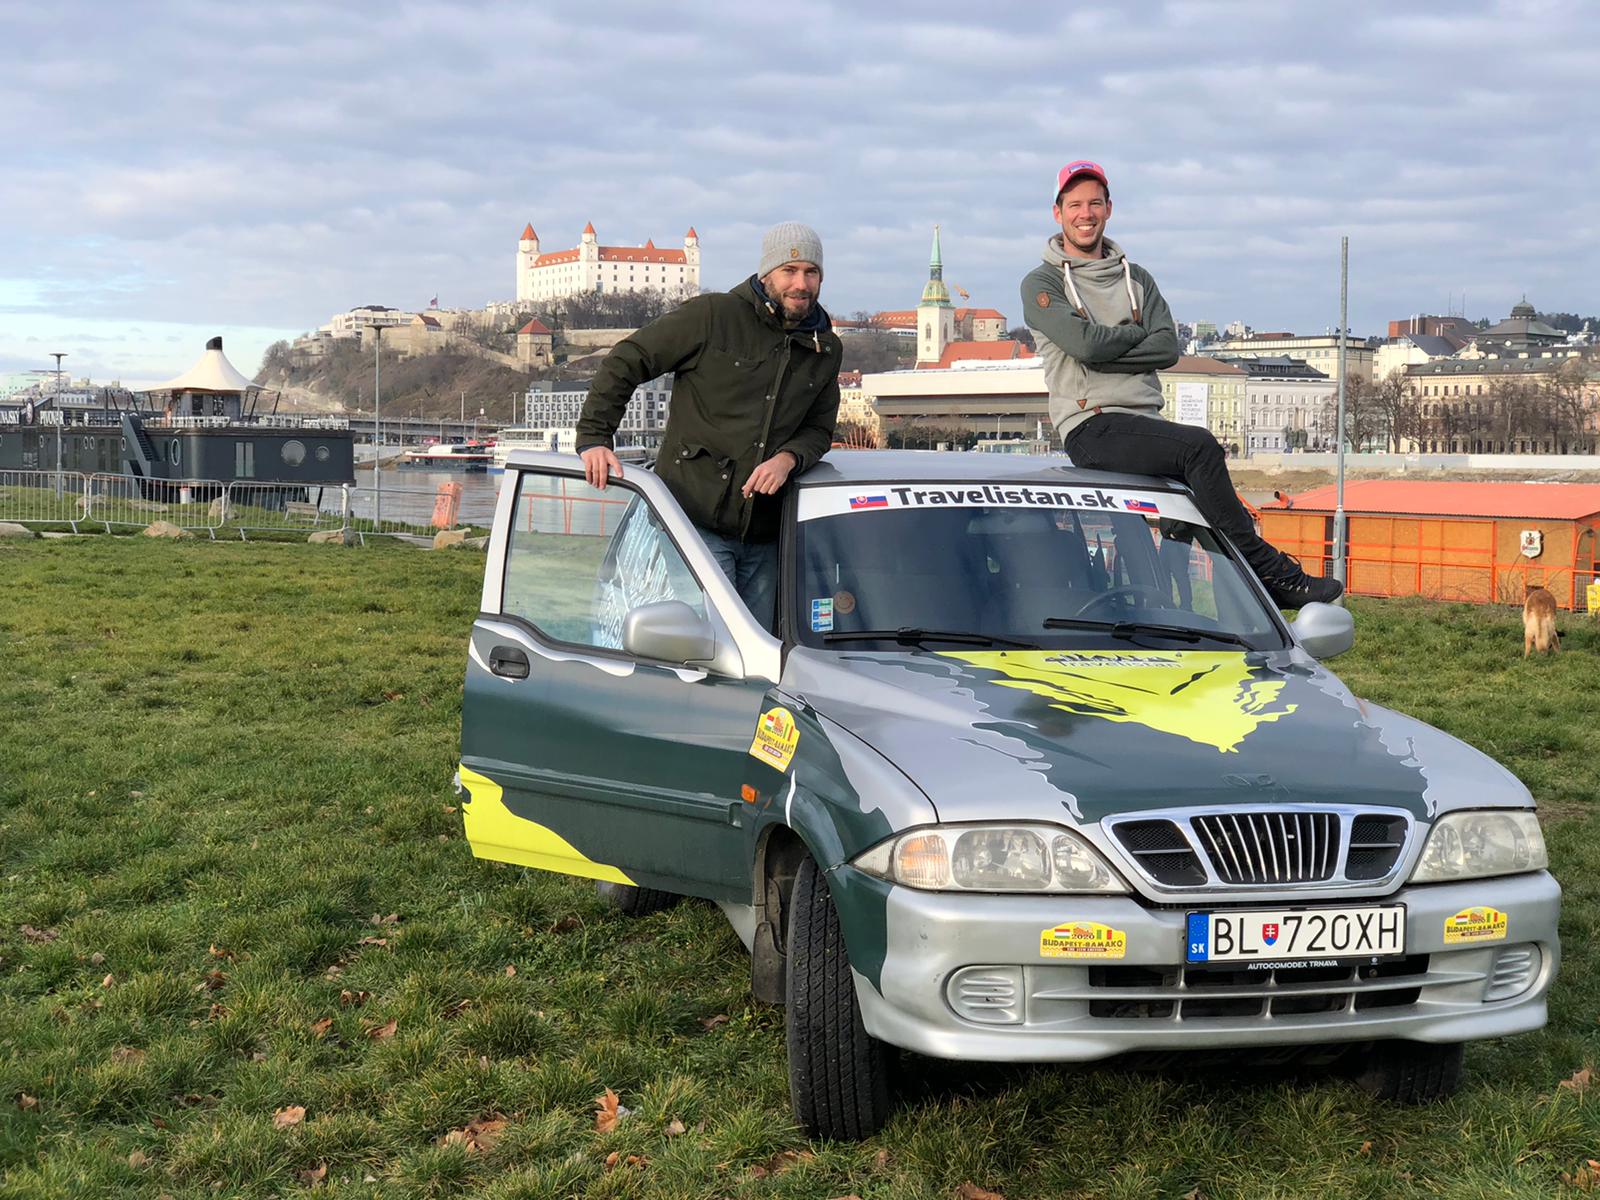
(509, 662)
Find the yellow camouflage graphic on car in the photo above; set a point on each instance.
(1210, 697)
(495, 832)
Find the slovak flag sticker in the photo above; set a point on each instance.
(1141, 506)
(869, 502)
(1269, 933)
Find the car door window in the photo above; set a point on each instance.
(578, 559)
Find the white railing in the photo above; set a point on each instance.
(109, 502)
(134, 501)
(42, 497)
(283, 508)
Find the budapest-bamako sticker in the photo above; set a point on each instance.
(776, 738)
(1082, 939)
(1475, 925)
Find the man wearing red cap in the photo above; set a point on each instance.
(1104, 333)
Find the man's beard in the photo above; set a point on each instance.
(789, 318)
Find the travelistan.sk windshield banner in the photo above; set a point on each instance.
(866, 499)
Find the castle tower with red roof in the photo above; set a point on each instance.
(592, 267)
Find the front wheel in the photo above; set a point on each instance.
(838, 1074)
(1411, 1072)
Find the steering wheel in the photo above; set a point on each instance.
(1126, 591)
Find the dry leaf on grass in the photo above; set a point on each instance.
(459, 1007)
(394, 696)
(381, 1033)
(615, 1159)
(780, 1162)
(217, 951)
(379, 919)
(475, 1136)
(608, 1111)
(214, 980)
(511, 971)
(566, 925)
(26, 1102)
(138, 1159)
(349, 999)
(1579, 1082)
(109, 981)
(125, 1054)
(373, 941)
(675, 1127)
(97, 959)
(713, 1022)
(292, 1114)
(37, 936)
(315, 1175)
(880, 1160)
(971, 1191)
(1585, 1179)
(1366, 1149)
(319, 1029)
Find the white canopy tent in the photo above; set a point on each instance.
(212, 373)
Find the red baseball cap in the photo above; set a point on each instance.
(1082, 167)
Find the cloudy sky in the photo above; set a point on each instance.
(174, 170)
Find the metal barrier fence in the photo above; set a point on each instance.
(43, 497)
(269, 508)
(131, 501)
(404, 513)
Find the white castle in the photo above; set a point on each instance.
(591, 267)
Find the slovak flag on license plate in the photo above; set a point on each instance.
(1141, 506)
(869, 502)
(1269, 933)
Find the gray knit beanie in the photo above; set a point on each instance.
(789, 242)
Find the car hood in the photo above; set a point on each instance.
(1043, 735)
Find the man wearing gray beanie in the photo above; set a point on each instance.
(755, 398)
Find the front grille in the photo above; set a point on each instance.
(1263, 848)
(1163, 851)
(1375, 842)
(1192, 993)
(988, 995)
(1270, 847)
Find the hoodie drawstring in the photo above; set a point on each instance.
(1077, 300)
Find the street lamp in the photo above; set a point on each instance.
(61, 415)
(377, 429)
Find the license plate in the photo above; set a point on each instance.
(1293, 934)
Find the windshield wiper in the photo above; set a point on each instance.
(1128, 630)
(911, 636)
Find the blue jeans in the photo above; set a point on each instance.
(752, 568)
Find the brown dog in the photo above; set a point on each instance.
(1539, 622)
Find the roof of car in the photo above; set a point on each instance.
(944, 466)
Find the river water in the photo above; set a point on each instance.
(408, 495)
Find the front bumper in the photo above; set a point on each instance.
(963, 977)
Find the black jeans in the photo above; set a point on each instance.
(1152, 446)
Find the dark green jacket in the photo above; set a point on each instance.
(744, 388)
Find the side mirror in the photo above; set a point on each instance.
(1325, 630)
(668, 630)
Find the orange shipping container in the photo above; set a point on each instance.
(1475, 542)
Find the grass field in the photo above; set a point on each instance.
(233, 887)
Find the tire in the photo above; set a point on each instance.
(1411, 1072)
(633, 901)
(838, 1074)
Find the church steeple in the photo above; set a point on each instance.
(936, 292)
(936, 318)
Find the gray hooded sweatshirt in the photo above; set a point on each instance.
(1103, 331)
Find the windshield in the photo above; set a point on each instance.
(1010, 566)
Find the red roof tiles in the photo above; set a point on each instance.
(528, 235)
(535, 326)
(976, 352)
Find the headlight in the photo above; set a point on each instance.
(991, 858)
(1467, 845)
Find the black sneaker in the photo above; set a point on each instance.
(1295, 589)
